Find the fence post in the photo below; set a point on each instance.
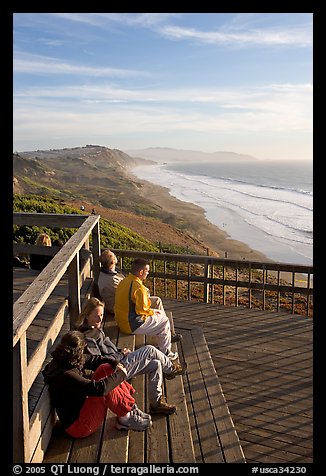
(206, 284)
(74, 291)
(20, 403)
(96, 250)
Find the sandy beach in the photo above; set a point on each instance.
(196, 223)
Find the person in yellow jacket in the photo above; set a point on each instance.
(133, 312)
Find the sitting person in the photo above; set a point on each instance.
(109, 278)
(58, 242)
(18, 263)
(134, 313)
(81, 403)
(145, 360)
(39, 262)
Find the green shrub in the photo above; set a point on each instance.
(112, 234)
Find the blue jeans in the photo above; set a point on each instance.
(151, 361)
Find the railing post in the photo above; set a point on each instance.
(154, 279)
(206, 284)
(293, 284)
(20, 403)
(249, 289)
(188, 279)
(223, 285)
(96, 250)
(264, 282)
(165, 283)
(74, 291)
(236, 288)
(278, 290)
(308, 293)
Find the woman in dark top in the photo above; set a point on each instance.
(146, 360)
(81, 403)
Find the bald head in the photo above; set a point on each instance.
(108, 259)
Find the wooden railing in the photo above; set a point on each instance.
(265, 285)
(26, 431)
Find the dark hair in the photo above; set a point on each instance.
(58, 242)
(138, 264)
(70, 350)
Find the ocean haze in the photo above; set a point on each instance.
(167, 154)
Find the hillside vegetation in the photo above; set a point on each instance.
(92, 173)
(112, 234)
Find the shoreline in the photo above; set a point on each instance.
(195, 223)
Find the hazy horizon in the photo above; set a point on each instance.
(169, 153)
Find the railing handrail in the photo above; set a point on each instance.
(271, 279)
(61, 220)
(30, 302)
(204, 259)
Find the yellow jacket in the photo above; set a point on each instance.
(132, 304)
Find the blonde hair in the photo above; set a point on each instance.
(107, 258)
(88, 307)
(43, 239)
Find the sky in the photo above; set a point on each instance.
(237, 82)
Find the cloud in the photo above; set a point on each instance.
(271, 108)
(43, 65)
(287, 36)
(273, 97)
(129, 19)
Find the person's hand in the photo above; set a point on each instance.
(121, 367)
(125, 351)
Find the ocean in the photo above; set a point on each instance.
(266, 204)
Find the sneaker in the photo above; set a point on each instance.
(138, 411)
(134, 422)
(172, 355)
(177, 369)
(162, 406)
(176, 338)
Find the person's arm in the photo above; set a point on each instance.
(93, 349)
(91, 346)
(143, 303)
(125, 351)
(115, 379)
(94, 388)
(91, 362)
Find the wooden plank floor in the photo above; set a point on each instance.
(264, 364)
(214, 436)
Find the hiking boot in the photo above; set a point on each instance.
(162, 406)
(177, 369)
(134, 422)
(176, 338)
(171, 355)
(138, 411)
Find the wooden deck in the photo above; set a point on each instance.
(264, 364)
(263, 373)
